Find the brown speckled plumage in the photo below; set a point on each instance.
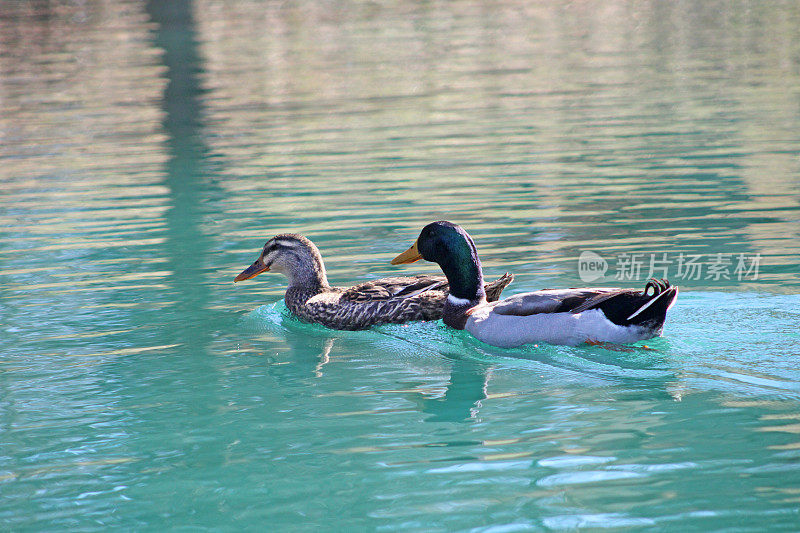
(382, 301)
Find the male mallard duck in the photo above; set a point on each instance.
(556, 316)
(381, 301)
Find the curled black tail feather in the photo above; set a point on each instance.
(658, 286)
(629, 307)
(653, 310)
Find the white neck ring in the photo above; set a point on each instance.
(458, 301)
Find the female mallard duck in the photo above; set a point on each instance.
(564, 316)
(381, 301)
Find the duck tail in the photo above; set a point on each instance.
(654, 306)
(496, 287)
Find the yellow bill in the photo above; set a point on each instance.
(409, 256)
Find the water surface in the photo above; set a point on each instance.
(149, 149)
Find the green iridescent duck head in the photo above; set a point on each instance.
(452, 248)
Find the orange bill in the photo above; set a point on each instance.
(252, 271)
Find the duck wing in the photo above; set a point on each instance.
(391, 288)
(407, 287)
(553, 301)
(620, 306)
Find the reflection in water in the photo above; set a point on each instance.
(186, 173)
(466, 388)
(311, 351)
(611, 129)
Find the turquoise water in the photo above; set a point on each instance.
(149, 149)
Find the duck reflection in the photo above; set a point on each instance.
(450, 387)
(466, 389)
(295, 352)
